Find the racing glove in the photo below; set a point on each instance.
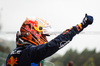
(87, 20)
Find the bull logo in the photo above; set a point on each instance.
(12, 61)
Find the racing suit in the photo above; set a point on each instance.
(31, 55)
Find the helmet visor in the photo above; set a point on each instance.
(47, 30)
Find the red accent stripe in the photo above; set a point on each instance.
(78, 28)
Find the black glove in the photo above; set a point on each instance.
(87, 20)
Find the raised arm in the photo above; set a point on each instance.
(45, 50)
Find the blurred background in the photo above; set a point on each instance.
(83, 50)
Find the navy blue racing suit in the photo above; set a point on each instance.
(31, 55)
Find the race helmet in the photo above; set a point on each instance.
(33, 30)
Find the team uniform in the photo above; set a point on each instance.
(31, 54)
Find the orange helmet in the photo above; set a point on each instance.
(34, 31)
